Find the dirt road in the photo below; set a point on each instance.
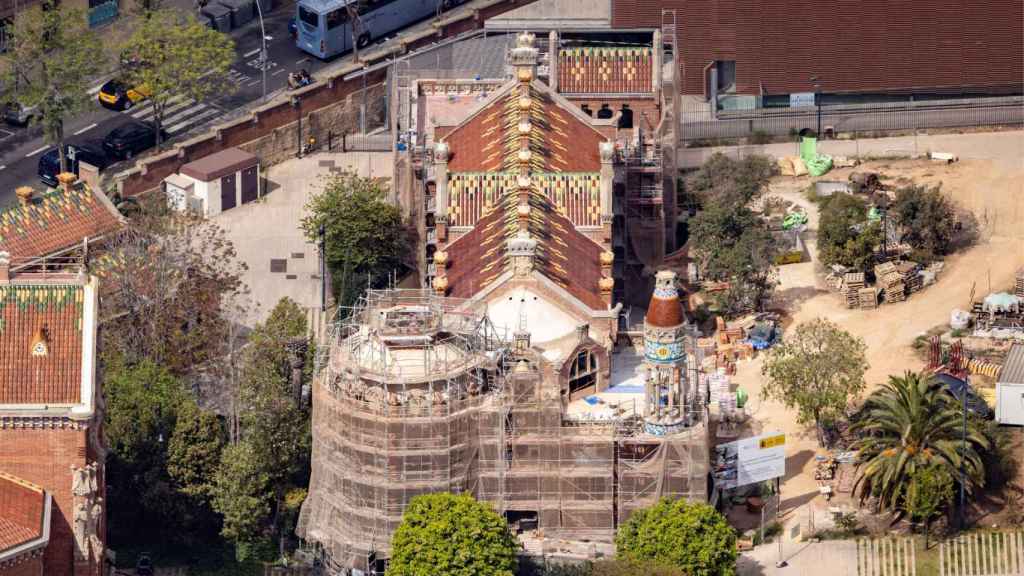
(994, 191)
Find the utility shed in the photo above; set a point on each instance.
(1010, 388)
(223, 180)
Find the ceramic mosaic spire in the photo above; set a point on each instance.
(665, 355)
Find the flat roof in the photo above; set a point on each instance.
(227, 161)
(1013, 369)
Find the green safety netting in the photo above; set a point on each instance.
(817, 164)
(874, 214)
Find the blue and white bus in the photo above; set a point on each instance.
(325, 27)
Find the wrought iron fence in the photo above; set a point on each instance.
(699, 122)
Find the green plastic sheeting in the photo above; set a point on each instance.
(741, 397)
(817, 164)
(794, 219)
(874, 215)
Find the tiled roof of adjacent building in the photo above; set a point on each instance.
(54, 221)
(22, 510)
(41, 343)
(600, 70)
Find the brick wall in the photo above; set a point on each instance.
(639, 106)
(262, 124)
(44, 457)
(32, 566)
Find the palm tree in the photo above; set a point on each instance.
(909, 424)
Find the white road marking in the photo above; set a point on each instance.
(278, 72)
(178, 106)
(183, 114)
(4, 166)
(86, 129)
(193, 121)
(142, 112)
(251, 53)
(96, 89)
(36, 151)
(253, 83)
(301, 61)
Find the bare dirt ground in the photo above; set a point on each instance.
(994, 191)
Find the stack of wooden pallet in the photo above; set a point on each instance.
(911, 279)
(853, 282)
(891, 282)
(868, 298)
(1019, 288)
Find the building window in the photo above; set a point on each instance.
(583, 372)
(726, 76)
(586, 110)
(626, 119)
(605, 112)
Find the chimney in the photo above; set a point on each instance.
(5, 267)
(24, 194)
(66, 179)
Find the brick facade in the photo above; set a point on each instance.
(31, 566)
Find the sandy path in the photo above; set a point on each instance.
(994, 192)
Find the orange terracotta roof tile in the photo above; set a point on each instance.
(21, 512)
(34, 317)
(54, 221)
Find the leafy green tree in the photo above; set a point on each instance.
(927, 494)
(927, 220)
(242, 495)
(454, 535)
(909, 424)
(690, 536)
(732, 181)
(194, 451)
(817, 369)
(273, 423)
(51, 58)
(143, 402)
(178, 57)
(365, 238)
(845, 236)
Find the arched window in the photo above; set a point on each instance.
(583, 372)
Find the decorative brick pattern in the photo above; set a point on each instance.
(54, 313)
(590, 70)
(54, 221)
(575, 195)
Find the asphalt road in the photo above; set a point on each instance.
(20, 148)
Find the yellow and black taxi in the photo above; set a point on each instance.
(117, 95)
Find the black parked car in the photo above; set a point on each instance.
(128, 140)
(90, 152)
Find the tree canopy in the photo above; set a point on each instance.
(928, 493)
(194, 451)
(365, 238)
(817, 369)
(927, 220)
(845, 236)
(51, 58)
(730, 242)
(242, 495)
(177, 57)
(690, 536)
(451, 534)
(909, 424)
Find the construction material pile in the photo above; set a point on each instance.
(853, 282)
(1019, 286)
(891, 282)
(868, 298)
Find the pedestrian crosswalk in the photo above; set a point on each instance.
(182, 114)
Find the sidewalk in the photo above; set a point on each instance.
(831, 557)
(1003, 148)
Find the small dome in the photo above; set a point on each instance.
(665, 309)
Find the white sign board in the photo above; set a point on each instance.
(749, 460)
(801, 99)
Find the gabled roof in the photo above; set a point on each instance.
(41, 342)
(55, 221)
(23, 507)
(561, 138)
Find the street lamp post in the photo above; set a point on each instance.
(817, 104)
(263, 49)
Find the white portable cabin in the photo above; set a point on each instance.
(1010, 388)
(215, 183)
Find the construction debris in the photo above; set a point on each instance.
(864, 182)
(853, 282)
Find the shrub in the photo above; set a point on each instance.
(692, 537)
